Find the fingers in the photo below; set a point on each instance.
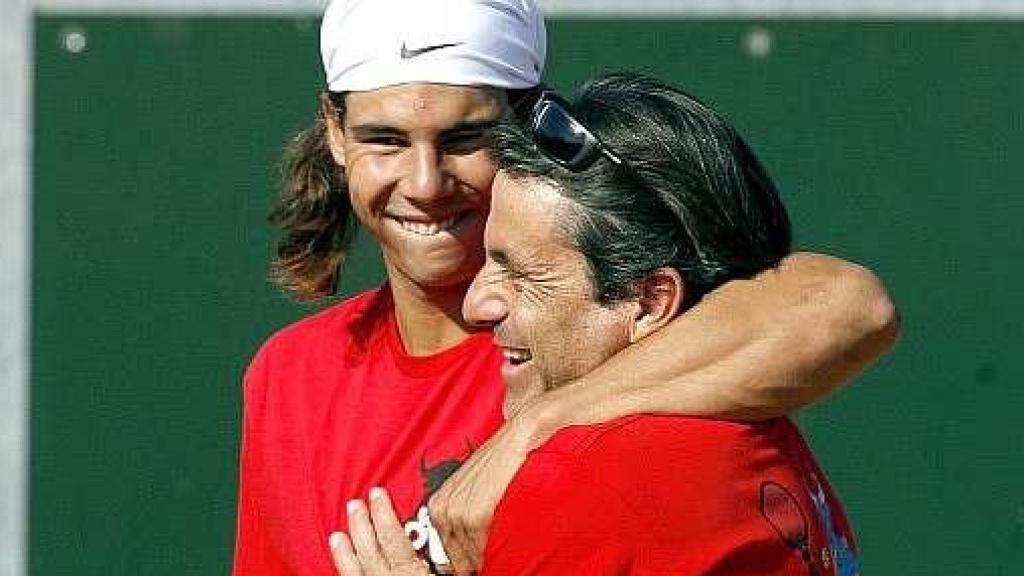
(376, 544)
(470, 548)
(463, 526)
(474, 549)
(344, 556)
(451, 533)
(393, 541)
(364, 538)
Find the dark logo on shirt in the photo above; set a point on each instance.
(420, 529)
(407, 53)
(435, 476)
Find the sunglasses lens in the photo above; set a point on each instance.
(558, 134)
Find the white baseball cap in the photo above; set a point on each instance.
(370, 44)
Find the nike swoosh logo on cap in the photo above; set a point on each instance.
(407, 53)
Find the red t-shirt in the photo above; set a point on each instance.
(671, 495)
(333, 407)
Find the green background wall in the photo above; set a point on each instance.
(896, 145)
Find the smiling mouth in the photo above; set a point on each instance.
(516, 356)
(427, 227)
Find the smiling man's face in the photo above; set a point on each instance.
(419, 175)
(535, 291)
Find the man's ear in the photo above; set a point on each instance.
(659, 296)
(335, 131)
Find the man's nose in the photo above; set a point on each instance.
(428, 176)
(485, 303)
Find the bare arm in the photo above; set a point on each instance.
(752, 349)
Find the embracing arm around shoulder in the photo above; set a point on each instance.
(751, 350)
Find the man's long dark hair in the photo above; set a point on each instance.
(313, 212)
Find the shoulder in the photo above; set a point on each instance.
(673, 437)
(675, 494)
(302, 357)
(667, 468)
(646, 456)
(640, 489)
(330, 328)
(333, 322)
(675, 491)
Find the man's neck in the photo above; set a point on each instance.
(429, 320)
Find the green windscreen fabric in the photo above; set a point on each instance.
(157, 142)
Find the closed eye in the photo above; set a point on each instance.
(383, 140)
(378, 135)
(465, 142)
(468, 137)
(506, 270)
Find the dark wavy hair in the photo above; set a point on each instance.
(689, 193)
(313, 212)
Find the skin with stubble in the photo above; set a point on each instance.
(535, 290)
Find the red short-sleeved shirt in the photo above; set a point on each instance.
(333, 407)
(671, 495)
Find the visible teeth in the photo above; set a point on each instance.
(517, 356)
(428, 228)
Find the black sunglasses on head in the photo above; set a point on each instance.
(558, 134)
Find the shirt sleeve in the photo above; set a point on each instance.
(253, 550)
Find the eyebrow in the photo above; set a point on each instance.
(472, 126)
(374, 129)
(364, 130)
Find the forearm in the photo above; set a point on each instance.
(753, 349)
